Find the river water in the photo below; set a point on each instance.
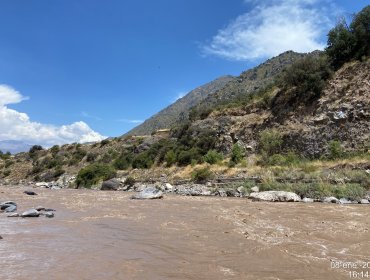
(105, 235)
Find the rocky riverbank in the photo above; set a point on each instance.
(234, 188)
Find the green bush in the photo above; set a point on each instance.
(58, 172)
(288, 159)
(54, 150)
(335, 150)
(352, 192)
(5, 156)
(301, 84)
(212, 157)
(104, 142)
(90, 157)
(143, 161)
(106, 158)
(170, 158)
(202, 175)
(270, 142)
(8, 163)
(123, 162)
(92, 174)
(237, 154)
(79, 154)
(186, 157)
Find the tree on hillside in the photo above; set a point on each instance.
(340, 44)
(361, 30)
(346, 43)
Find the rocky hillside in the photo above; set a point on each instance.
(179, 111)
(341, 114)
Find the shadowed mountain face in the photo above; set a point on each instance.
(179, 110)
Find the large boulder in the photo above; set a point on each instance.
(330, 199)
(148, 193)
(272, 196)
(111, 185)
(30, 213)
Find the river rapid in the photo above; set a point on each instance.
(105, 235)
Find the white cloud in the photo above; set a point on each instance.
(272, 27)
(179, 95)
(15, 125)
(130, 121)
(8, 95)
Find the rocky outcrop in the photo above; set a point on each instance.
(275, 196)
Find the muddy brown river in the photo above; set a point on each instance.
(105, 235)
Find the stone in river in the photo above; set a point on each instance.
(30, 213)
(49, 215)
(13, 215)
(30, 193)
(148, 193)
(11, 208)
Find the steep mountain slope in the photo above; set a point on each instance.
(179, 110)
(252, 80)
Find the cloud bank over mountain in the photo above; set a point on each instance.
(16, 125)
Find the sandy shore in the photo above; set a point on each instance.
(105, 235)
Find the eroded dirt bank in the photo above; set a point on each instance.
(105, 235)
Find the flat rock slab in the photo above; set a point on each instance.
(13, 215)
(275, 196)
(148, 193)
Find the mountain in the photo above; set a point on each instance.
(14, 146)
(251, 80)
(179, 110)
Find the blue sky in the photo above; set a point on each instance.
(85, 69)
